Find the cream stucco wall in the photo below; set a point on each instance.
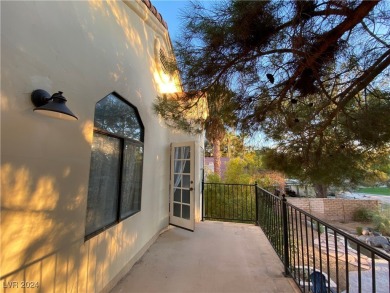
(87, 49)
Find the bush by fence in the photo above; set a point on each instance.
(229, 202)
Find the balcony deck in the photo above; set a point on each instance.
(217, 257)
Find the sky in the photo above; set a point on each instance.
(171, 11)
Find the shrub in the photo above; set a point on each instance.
(322, 228)
(362, 215)
(381, 224)
(318, 227)
(236, 172)
(270, 180)
(359, 230)
(213, 178)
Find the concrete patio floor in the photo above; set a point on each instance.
(217, 257)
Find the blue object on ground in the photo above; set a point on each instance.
(318, 283)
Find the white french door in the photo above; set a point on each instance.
(182, 195)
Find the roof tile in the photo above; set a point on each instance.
(153, 9)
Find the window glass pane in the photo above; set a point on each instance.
(111, 152)
(131, 179)
(117, 117)
(103, 182)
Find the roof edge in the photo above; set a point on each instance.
(158, 15)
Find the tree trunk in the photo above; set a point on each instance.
(321, 190)
(228, 146)
(217, 156)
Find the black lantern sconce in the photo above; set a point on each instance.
(53, 106)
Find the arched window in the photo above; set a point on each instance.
(115, 178)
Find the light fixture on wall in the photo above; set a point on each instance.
(53, 106)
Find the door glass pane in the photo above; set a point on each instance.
(177, 179)
(177, 195)
(186, 181)
(177, 153)
(186, 212)
(186, 152)
(186, 196)
(176, 209)
(177, 166)
(103, 182)
(186, 168)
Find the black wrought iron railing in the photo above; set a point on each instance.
(229, 202)
(319, 257)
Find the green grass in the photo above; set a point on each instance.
(375, 190)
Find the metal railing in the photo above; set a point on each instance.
(229, 202)
(318, 256)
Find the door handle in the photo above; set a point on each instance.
(191, 189)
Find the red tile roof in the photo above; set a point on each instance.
(153, 9)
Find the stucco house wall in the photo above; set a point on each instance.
(87, 49)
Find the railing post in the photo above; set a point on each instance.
(203, 205)
(257, 205)
(286, 259)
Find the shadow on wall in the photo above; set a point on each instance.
(37, 228)
(36, 220)
(42, 226)
(138, 41)
(127, 58)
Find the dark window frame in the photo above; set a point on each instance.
(137, 143)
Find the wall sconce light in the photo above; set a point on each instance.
(53, 106)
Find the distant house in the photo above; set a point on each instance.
(82, 200)
(209, 165)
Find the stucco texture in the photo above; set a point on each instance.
(87, 49)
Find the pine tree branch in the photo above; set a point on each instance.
(327, 40)
(349, 93)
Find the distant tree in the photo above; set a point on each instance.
(249, 168)
(354, 149)
(233, 145)
(270, 180)
(237, 172)
(221, 107)
(219, 104)
(208, 149)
